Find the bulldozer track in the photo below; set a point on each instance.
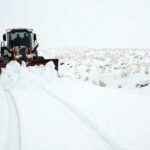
(12, 105)
(85, 121)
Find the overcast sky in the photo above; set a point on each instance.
(81, 23)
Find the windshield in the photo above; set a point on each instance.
(19, 38)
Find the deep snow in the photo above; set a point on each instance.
(38, 110)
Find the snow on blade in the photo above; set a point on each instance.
(20, 76)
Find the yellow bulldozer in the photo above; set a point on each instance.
(21, 44)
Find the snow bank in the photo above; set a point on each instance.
(20, 76)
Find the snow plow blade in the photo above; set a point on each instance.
(43, 62)
(34, 63)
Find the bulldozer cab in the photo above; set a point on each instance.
(19, 37)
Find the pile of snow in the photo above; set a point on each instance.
(38, 110)
(20, 76)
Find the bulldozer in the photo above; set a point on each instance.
(21, 44)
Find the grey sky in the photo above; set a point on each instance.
(85, 23)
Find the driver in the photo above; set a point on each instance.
(17, 40)
(25, 40)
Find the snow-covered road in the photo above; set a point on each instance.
(40, 111)
(10, 127)
(44, 121)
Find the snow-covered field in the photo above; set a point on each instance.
(126, 69)
(100, 102)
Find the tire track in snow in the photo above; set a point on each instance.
(13, 110)
(4, 121)
(82, 118)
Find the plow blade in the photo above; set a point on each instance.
(43, 62)
(34, 63)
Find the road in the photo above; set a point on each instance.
(39, 119)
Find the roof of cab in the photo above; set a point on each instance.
(18, 29)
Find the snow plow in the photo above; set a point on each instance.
(20, 44)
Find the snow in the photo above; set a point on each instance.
(106, 67)
(94, 104)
